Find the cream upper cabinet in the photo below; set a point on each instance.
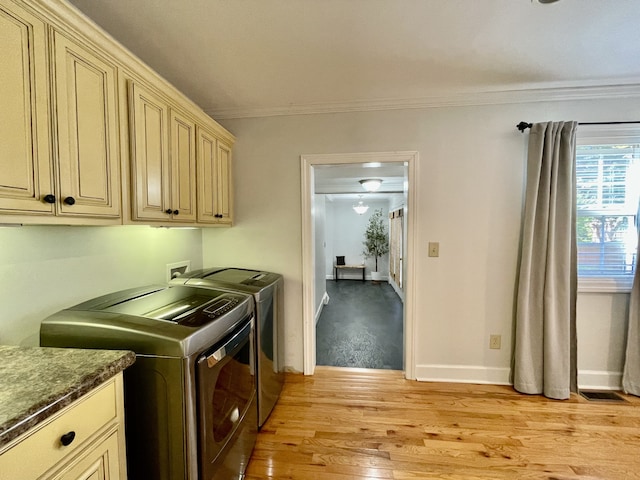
(214, 180)
(182, 141)
(149, 143)
(26, 176)
(89, 135)
(163, 159)
(87, 131)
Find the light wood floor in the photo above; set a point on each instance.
(348, 424)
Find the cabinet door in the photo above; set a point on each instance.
(25, 157)
(149, 139)
(87, 127)
(207, 177)
(183, 168)
(214, 180)
(100, 462)
(224, 197)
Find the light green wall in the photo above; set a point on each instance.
(45, 269)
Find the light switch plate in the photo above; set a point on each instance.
(434, 249)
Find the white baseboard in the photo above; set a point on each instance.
(463, 374)
(355, 276)
(592, 379)
(325, 300)
(397, 289)
(599, 380)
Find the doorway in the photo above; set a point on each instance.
(312, 275)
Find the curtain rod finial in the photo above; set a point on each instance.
(522, 126)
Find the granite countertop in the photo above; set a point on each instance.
(36, 382)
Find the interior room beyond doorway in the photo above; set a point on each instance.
(328, 181)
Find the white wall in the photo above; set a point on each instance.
(345, 234)
(602, 333)
(469, 198)
(46, 269)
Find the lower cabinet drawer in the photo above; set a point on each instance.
(41, 448)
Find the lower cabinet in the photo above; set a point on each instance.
(98, 463)
(85, 440)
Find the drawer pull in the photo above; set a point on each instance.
(67, 438)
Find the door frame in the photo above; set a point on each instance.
(410, 159)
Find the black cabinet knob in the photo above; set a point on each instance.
(168, 211)
(67, 438)
(176, 212)
(69, 201)
(50, 198)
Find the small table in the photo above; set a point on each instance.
(342, 267)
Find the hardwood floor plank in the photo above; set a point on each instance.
(359, 424)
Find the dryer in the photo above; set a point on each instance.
(267, 289)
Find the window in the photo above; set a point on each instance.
(608, 200)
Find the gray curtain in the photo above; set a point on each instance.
(545, 359)
(631, 371)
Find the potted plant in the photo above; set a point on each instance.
(376, 241)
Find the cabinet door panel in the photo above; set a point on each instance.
(98, 463)
(149, 155)
(224, 184)
(25, 157)
(87, 125)
(214, 180)
(207, 177)
(183, 168)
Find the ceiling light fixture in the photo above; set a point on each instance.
(371, 184)
(360, 207)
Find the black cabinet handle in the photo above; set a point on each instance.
(67, 438)
(176, 212)
(50, 198)
(168, 211)
(69, 201)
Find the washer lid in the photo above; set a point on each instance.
(173, 321)
(187, 306)
(238, 276)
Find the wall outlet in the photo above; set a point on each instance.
(495, 342)
(174, 270)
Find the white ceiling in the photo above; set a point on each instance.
(337, 179)
(264, 57)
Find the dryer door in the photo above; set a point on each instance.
(227, 409)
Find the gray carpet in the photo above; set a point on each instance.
(361, 326)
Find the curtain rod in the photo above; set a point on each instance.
(522, 126)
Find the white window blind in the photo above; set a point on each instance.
(608, 199)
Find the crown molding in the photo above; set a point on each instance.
(501, 97)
